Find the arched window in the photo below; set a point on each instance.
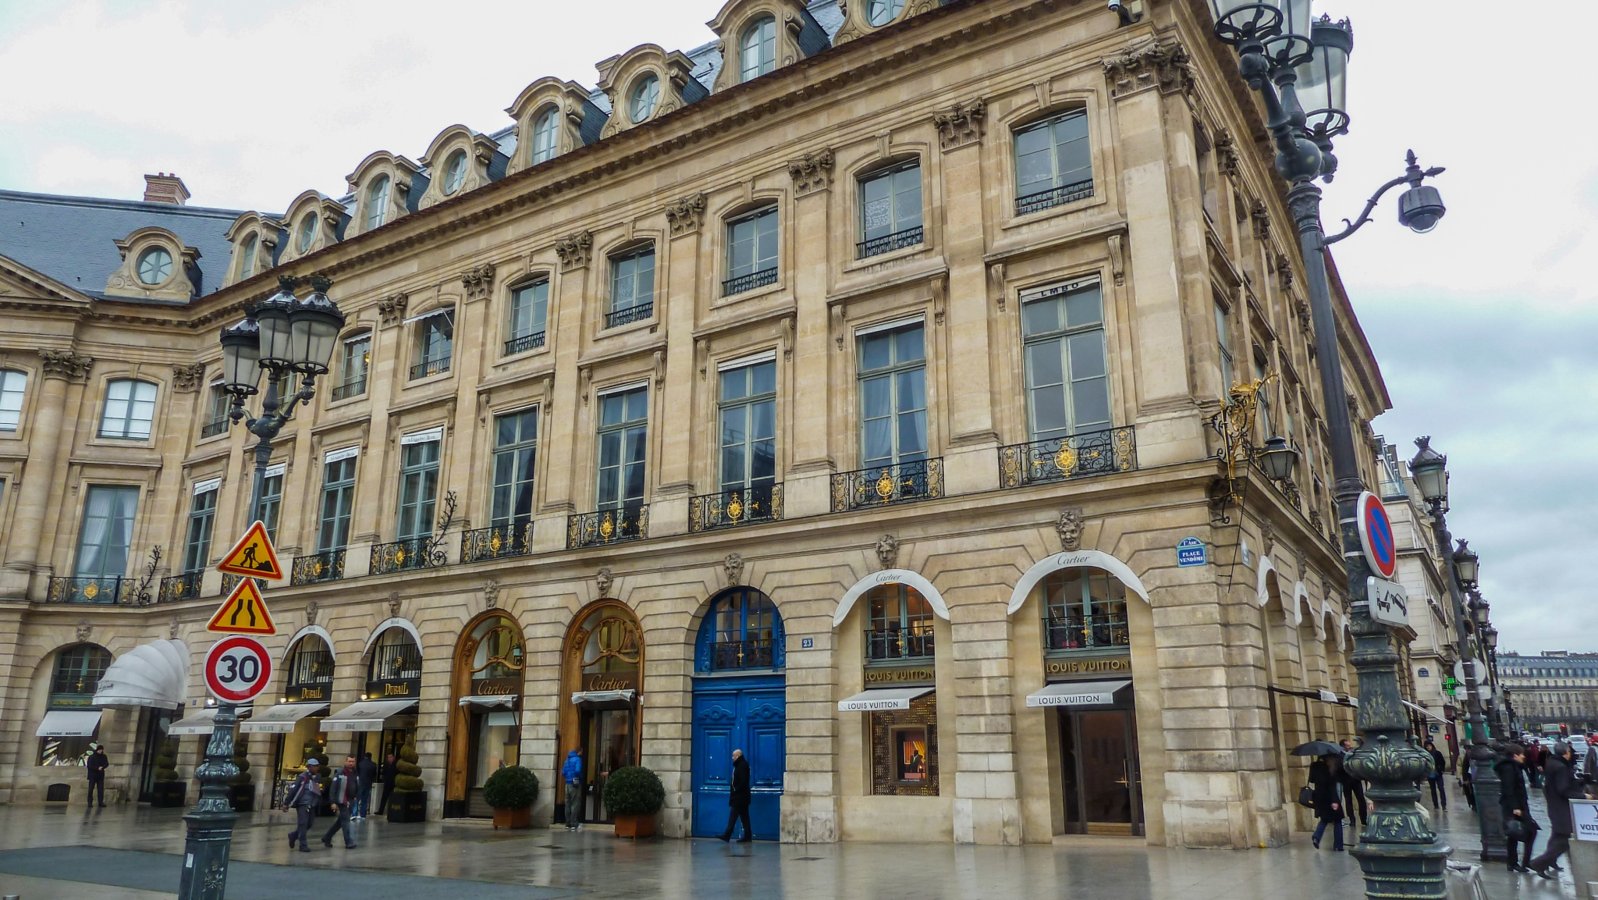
(899, 624)
(881, 12)
(1053, 162)
(13, 385)
(154, 266)
(247, 257)
(377, 202)
(129, 409)
(394, 657)
(454, 172)
(546, 132)
(310, 666)
(641, 100)
(77, 675)
(306, 232)
(741, 630)
(757, 48)
(1083, 609)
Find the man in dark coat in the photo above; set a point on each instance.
(346, 787)
(1435, 780)
(97, 763)
(1512, 798)
(366, 775)
(390, 772)
(304, 796)
(1559, 788)
(738, 800)
(1353, 791)
(1328, 788)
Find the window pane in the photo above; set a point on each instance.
(610, 409)
(907, 344)
(1087, 354)
(764, 376)
(878, 441)
(12, 387)
(1084, 308)
(1043, 363)
(877, 397)
(1040, 317)
(912, 435)
(911, 389)
(875, 351)
(1091, 404)
(763, 420)
(1048, 413)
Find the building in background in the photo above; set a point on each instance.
(1555, 691)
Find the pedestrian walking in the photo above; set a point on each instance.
(1513, 799)
(1328, 799)
(96, 765)
(304, 796)
(365, 773)
(738, 800)
(390, 772)
(1467, 782)
(1353, 790)
(1435, 780)
(1559, 788)
(342, 794)
(572, 773)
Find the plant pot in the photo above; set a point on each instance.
(407, 806)
(513, 818)
(169, 793)
(242, 796)
(635, 826)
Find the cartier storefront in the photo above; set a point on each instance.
(603, 677)
(485, 717)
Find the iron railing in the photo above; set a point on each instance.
(395, 661)
(894, 644)
(214, 427)
(1074, 456)
(352, 388)
(607, 526)
(407, 555)
(740, 506)
(91, 589)
(310, 668)
(754, 653)
(435, 366)
(315, 568)
(882, 485)
(888, 243)
(180, 587)
(524, 343)
(1073, 632)
(749, 282)
(1055, 196)
(229, 582)
(497, 541)
(619, 317)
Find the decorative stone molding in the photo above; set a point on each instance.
(393, 604)
(1153, 63)
(996, 282)
(65, 364)
(888, 551)
(85, 628)
(491, 594)
(734, 566)
(1301, 309)
(311, 610)
(603, 580)
(391, 309)
(1284, 271)
(1117, 245)
(737, 15)
(1069, 528)
(686, 214)
(1226, 157)
(575, 250)
(811, 172)
(478, 281)
(1262, 219)
(1267, 537)
(188, 378)
(856, 24)
(961, 124)
(172, 628)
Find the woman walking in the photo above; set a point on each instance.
(1328, 792)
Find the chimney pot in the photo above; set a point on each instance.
(164, 188)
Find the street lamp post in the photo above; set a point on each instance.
(1430, 471)
(1281, 55)
(283, 337)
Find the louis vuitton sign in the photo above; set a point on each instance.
(1060, 669)
(900, 675)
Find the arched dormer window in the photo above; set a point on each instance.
(311, 223)
(460, 160)
(861, 17)
(156, 266)
(247, 263)
(546, 134)
(646, 83)
(757, 48)
(255, 240)
(757, 36)
(552, 117)
(386, 187)
(376, 204)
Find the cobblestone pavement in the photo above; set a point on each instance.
(127, 851)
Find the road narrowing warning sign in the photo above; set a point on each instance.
(243, 612)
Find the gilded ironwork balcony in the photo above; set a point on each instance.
(315, 568)
(406, 555)
(435, 366)
(893, 644)
(1056, 196)
(1075, 456)
(754, 653)
(396, 661)
(310, 668)
(497, 541)
(882, 485)
(91, 589)
(619, 317)
(524, 343)
(607, 526)
(741, 283)
(1072, 632)
(229, 582)
(352, 388)
(180, 587)
(214, 427)
(740, 506)
(888, 243)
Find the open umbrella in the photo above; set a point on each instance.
(1318, 748)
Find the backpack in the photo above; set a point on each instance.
(291, 792)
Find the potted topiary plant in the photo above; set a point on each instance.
(634, 794)
(512, 791)
(409, 803)
(169, 788)
(241, 788)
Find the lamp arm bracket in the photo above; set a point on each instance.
(1370, 205)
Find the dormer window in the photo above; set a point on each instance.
(305, 233)
(641, 100)
(881, 12)
(155, 266)
(546, 134)
(377, 202)
(247, 260)
(454, 172)
(757, 48)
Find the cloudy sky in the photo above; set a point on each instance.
(1485, 328)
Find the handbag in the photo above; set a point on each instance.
(1306, 796)
(1515, 829)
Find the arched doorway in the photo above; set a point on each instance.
(740, 703)
(485, 718)
(603, 677)
(296, 722)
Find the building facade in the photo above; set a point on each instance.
(839, 391)
(1554, 690)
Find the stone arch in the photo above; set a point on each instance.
(891, 576)
(1073, 559)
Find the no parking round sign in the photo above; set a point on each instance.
(1376, 535)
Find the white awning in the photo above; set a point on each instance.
(1424, 711)
(878, 699)
(69, 723)
(502, 718)
(593, 698)
(1076, 693)
(505, 700)
(367, 715)
(282, 718)
(154, 674)
(202, 722)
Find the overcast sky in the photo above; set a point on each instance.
(1485, 328)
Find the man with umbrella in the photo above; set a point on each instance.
(1325, 778)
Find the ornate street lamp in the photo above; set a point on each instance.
(1466, 567)
(1278, 48)
(1278, 459)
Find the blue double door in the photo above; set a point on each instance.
(748, 714)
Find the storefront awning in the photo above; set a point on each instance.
(505, 700)
(1077, 693)
(367, 715)
(282, 718)
(154, 674)
(880, 699)
(501, 717)
(69, 723)
(594, 699)
(1424, 711)
(202, 722)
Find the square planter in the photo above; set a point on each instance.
(169, 793)
(635, 826)
(513, 818)
(407, 806)
(242, 797)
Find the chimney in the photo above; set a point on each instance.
(164, 188)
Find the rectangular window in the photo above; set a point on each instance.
(107, 531)
(890, 210)
(202, 515)
(1266, 424)
(338, 497)
(623, 442)
(1223, 337)
(515, 454)
(13, 385)
(355, 360)
(632, 287)
(529, 311)
(751, 251)
(904, 750)
(216, 421)
(418, 488)
(893, 396)
(272, 499)
(129, 410)
(435, 337)
(1084, 609)
(749, 426)
(1053, 163)
(909, 744)
(1068, 384)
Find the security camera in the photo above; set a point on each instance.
(1125, 14)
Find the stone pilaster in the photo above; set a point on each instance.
(41, 479)
(805, 491)
(987, 806)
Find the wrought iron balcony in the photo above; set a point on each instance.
(882, 485)
(310, 668)
(91, 589)
(497, 541)
(740, 506)
(754, 653)
(1075, 456)
(896, 644)
(619, 317)
(607, 526)
(315, 568)
(436, 366)
(214, 427)
(405, 555)
(1072, 632)
(352, 388)
(524, 343)
(888, 243)
(396, 661)
(180, 587)
(229, 582)
(741, 283)
(1056, 196)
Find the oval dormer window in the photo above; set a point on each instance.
(454, 172)
(881, 12)
(645, 94)
(155, 265)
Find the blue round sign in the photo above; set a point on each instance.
(1376, 535)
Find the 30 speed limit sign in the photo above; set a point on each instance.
(237, 669)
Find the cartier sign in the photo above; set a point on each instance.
(911, 675)
(496, 687)
(625, 681)
(1097, 665)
